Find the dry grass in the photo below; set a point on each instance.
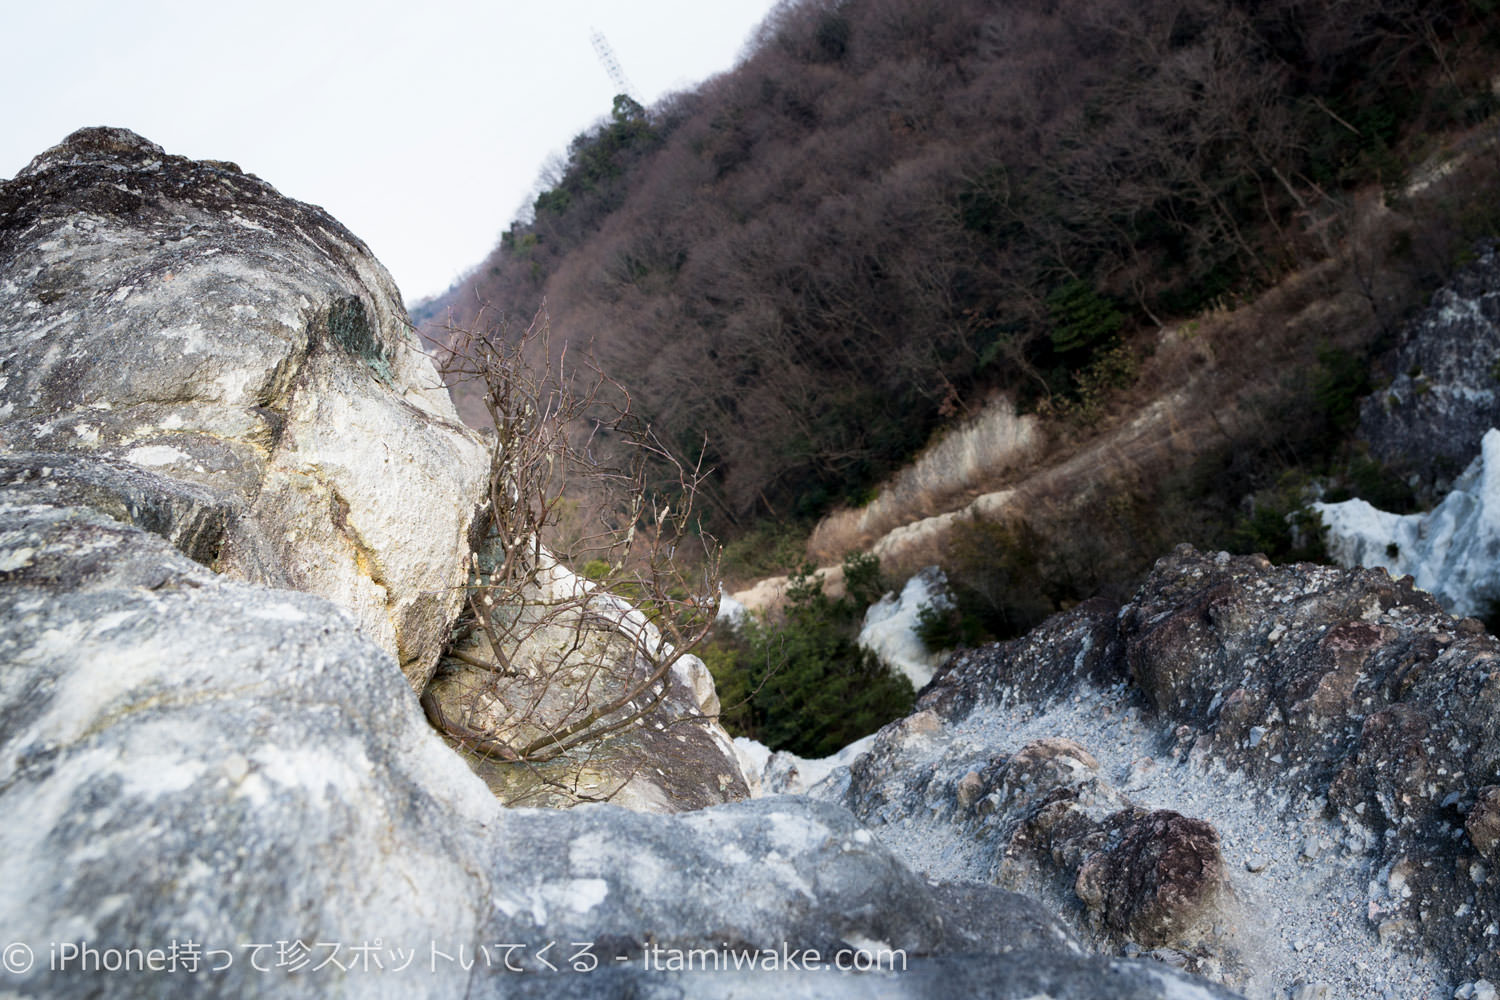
(1213, 383)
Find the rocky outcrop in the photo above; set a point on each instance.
(234, 784)
(1043, 819)
(575, 651)
(214, 786)
(245, 385)
(1452, 552)
(183, 319)
(1437, 417)
(1443, 395)
(1351, 689)
(187, 758)
(1281, 776)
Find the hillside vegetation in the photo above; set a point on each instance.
(890, 210)
(1176, 233)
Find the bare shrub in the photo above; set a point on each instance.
(593, 580)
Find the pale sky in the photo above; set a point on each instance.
(422, 126)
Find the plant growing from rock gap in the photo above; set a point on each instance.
(554, 662)
(798, 679)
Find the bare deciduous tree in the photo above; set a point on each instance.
(557, 659)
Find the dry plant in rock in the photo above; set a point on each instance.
(593, 579)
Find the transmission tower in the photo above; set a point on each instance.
(612, 65)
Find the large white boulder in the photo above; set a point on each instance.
(185, 318)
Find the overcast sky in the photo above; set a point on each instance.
(421, 126)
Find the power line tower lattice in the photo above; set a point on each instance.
(611, 64)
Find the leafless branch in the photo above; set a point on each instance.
(572, 635)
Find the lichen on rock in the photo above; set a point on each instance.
(185, 318)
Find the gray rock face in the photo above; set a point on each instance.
(772, 880)
(573, 650)
(1353, 688)
(1331, 732)
(184, 318)
(1445, 393)
(1043, 819)
(238, 778)
(188, 758)
(213, 787)
(1002, 977)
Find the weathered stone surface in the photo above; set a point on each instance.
(187, 758)
(1276, 775)
(1158, 879)
(1043, 820)
(185, 318)
(1351, 686)
(1086, 640)
(213, 787)
(1482, 824)
(1013, 976)
(772, 870)
(771, 877)
(573, 650)
(1443, 395)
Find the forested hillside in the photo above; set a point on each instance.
(890, 210)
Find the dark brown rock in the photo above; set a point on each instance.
(1344, 692)
(1442, 396)
(1158, 880)
(1483, 821)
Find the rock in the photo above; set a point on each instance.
(203, 760)
(1381, 701)
(185, 757)
(970, 788)
(769, 881)
(1483, 821)
(577, 650)
(284, 797)
(890, 625)
(1443, 396)
(1054, 828)
(185, 319)
(1158, 879)
(1013, 976)
(245, 386)
(979, 918)
(215, 786)
(1383, 705)
(1373, 710)
(779, 869)
(1452, 552)
(1086, 639)
(1004, 977)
